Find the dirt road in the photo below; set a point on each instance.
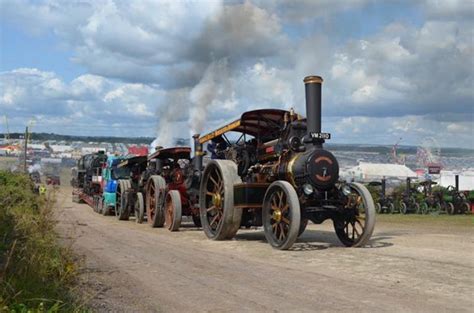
(133, 268)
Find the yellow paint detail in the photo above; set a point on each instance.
(220, 131)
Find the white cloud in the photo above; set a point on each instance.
(194, 64)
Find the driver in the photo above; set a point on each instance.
(216, 146)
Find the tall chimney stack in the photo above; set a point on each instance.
(198, 153)
(313, 109)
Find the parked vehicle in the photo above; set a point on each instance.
(131, 191)
(430, 203)
(53, 180)
(87, 178)
(112, 180)
(408, 201)
(383, 203)
(276, 173)
(455, 202)
(172, 192)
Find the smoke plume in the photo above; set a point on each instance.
(214, 89)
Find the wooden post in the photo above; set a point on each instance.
(26, 151)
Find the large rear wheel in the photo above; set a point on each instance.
(281, 215)
(219, 219)
(424, 208)
(122, 211)
(155, 198)
(173, 210)
(403, 207)
(450, 208)
(391, 208)
(417, 208)
(378, 208)
(466, 208)
(356, 226)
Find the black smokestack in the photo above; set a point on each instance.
(198, 153)
(383, 187)
(456, 182)
(313, 108)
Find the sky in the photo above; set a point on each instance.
(391, 69)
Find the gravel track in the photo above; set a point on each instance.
(129, 267)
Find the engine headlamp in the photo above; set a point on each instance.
(308, 189)
(346, 190)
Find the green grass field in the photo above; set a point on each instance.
(442, 220)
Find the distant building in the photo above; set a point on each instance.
(376, 171)
(138, 150)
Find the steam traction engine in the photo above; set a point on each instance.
(277, 174)
(173, 191)
(87, 178)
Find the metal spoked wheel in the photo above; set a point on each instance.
(173, 211)
(219, 219)
(139, 208)
(450, 208)
(403, 208)
(122, 211)
(355, 228)
(95, 203)
(391, 208)
(155, 198)
(466, 208)
(281, 215)
(424, 208)
(417, 208)
(378, 208)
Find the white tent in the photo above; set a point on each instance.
(374, 171)
(466, 179)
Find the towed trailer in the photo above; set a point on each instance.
(277, 174)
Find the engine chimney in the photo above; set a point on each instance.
(456, 182)
(313, 109)
(198, 153)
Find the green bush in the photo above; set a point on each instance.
(36, 272)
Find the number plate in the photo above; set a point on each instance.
(320, 135)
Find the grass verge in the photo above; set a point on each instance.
(36, 272)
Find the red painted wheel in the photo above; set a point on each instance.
(173, 210)
(155, 194)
